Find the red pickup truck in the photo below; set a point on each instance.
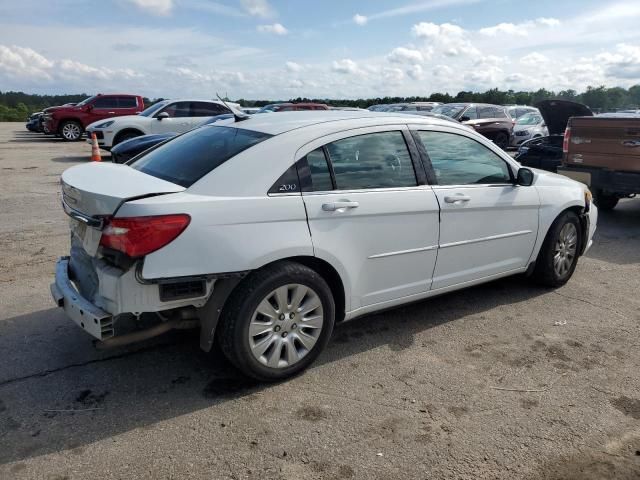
(69, 122)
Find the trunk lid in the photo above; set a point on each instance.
(98, 189)
(556, 114)
(606, 142)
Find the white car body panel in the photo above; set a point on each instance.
(398, 245)
(147, 125)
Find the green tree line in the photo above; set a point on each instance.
(17, 106)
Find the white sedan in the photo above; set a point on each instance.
(167, 116)
(265, 232)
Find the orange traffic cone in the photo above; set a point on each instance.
(95, 150)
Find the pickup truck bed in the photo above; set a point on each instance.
(603, 153)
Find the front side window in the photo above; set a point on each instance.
(470, 113)
(459, 160)
(106, 102)
(178, 109)
(189, 157)
(374, 160)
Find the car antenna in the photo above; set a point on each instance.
(238, 116)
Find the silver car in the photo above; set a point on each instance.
(530, 125)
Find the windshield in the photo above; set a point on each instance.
(85, 101)
(529, 119)
(147, 112)
(451, 110)
(189, 157)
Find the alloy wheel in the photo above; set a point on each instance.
(71, 131)
(565, 251)
(286, 325)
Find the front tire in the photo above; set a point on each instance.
(558, 255)
(604, 201)
(71, 131)
(122, 137)
(277, 321)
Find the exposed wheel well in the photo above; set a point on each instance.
(122, 133)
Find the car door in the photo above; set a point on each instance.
(370, 214)
(127, 105)
(104, 107)
(488, 224)
(178, 119)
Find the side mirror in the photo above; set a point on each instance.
(89, 107)
(162, 115)
(465, 119)
(525, 177)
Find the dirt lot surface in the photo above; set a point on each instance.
(472, 385)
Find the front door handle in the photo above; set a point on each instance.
(339, 206)
(459, 198)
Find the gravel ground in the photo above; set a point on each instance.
(471, 385)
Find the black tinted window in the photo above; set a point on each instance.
(459, 160)
(178, 109)
(106, 102)
(374, 160)
(319, 169)
(189, 157)
(127, 102)
(205, 109)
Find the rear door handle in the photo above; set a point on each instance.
(339, 206)
(459, 198)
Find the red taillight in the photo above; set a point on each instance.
(139, 236)
(565, 142)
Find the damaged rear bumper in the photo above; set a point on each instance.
(85, 314)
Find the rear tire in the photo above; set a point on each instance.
(558, 255)
(502, 140)
(292, 332)
(71, 131)
(605, 202)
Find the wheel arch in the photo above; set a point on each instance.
(124, 131)
(69, 119)
(212, 310)
(579, 210)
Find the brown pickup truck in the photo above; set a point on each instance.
(604, 154)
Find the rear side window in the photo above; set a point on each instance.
(374, 160)
(127, 102)
(189, 157)
(319, 170)
(205, 109)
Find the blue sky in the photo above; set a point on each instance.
(339, 49)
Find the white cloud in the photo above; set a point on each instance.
(448, 39)
(258, 8)
(520, 29)
(415, 72)
(514, 78)
(293, 67)
(276, 29)
(623, 63)
(392, 76)
(346, 65)
(533, 59)
(405, 55)
(418, 7)
(360, 19)
(155, 7)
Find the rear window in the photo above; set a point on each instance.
(189, 157)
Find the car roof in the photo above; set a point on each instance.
(287, 121)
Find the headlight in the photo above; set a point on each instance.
(104, 124)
